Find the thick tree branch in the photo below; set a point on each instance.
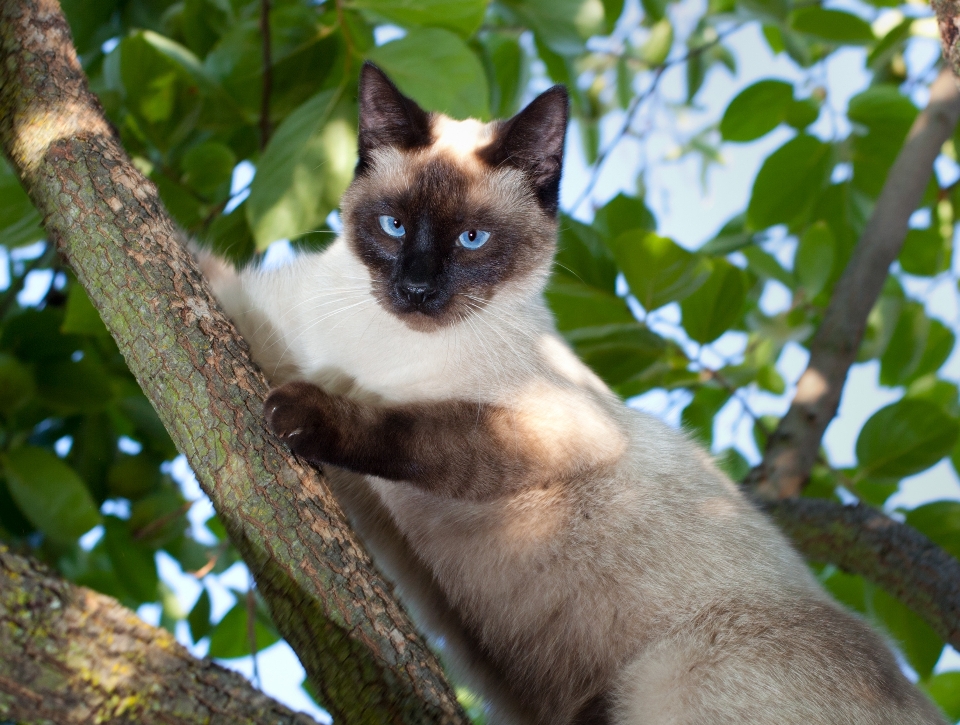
(357, 645)
(69, 655)
(794, 446)
(862, 540)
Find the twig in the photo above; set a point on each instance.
(265, 126)
(635, 106)
(795, 444)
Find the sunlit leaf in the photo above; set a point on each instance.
(412, 63)
(460, 16)
(832, 25)
(715, 306)
(814, 259)
(230, 637)
(756, 110)
(788, 182)
(657, 269)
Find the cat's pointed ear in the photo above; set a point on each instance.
(533, 142)
(387, 117)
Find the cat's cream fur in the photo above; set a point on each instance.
(643, 590)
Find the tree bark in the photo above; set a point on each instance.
(69, 655)
(862, 540)
(794, 446)
(358, 646)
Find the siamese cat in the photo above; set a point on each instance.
(577, 561)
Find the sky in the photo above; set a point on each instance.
(690, 214)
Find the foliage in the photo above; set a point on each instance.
(82, 451)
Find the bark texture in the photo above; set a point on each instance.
(862, 540)
(69, 655)
(358, 646)
(948, 20)
(794, 446)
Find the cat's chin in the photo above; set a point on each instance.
(427, 319)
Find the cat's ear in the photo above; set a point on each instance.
(533, 142)
(387, 117)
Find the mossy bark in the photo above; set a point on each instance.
(69, 655)
(358, 646)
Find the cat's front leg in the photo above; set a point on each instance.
(453, 448)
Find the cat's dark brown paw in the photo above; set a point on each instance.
(295, 413)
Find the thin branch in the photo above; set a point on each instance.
(862, 540)
(634, 107)
(265, 126)
(793, 448)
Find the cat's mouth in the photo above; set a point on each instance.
(423, 307)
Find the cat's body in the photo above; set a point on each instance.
(580, 562)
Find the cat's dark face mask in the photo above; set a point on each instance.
(446, 214)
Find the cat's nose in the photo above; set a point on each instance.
(417, 292)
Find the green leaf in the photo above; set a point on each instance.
(133, 477)
(788, 182)
(847, 589)
(905, 438)
(577, 305)
(907, 345)
(731, 237)
(766, 266)
(921, 646)
(199, 617)
(563, 25)
(134, 563)
(732, 462)
(658, 44)
(940, 522)
(657, 269)
(19, 220)
(832, 25)
(925, 252)
(944, 689)
(886, 114)
(801, 113)
(508, 70)
(617, 353)
(461, 16)
(230, 637)
(50, 493)
(882, 321)
(94, 447)
(208, 168)
(230, 236)
(16, 383)
(582, 255)
(699, 414)
(623, 213)
(303, 171)
(81, 316)
(716, 306)
(412, 63)
(814, 259)
(756, 110)
(73, 386)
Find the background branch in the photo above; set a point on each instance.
(358, 646)
(69, 655)
(794, 446)
(862, 540)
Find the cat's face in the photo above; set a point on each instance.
(445, 214)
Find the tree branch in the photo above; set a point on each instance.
(793, 448)
(862, 540)
(358, 646)
(69, 655)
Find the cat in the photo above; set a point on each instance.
(579, 562)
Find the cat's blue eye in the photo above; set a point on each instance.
(392, 226)
(473, 239)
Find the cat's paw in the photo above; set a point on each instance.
(294, 412)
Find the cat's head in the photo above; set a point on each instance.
(446, 214)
